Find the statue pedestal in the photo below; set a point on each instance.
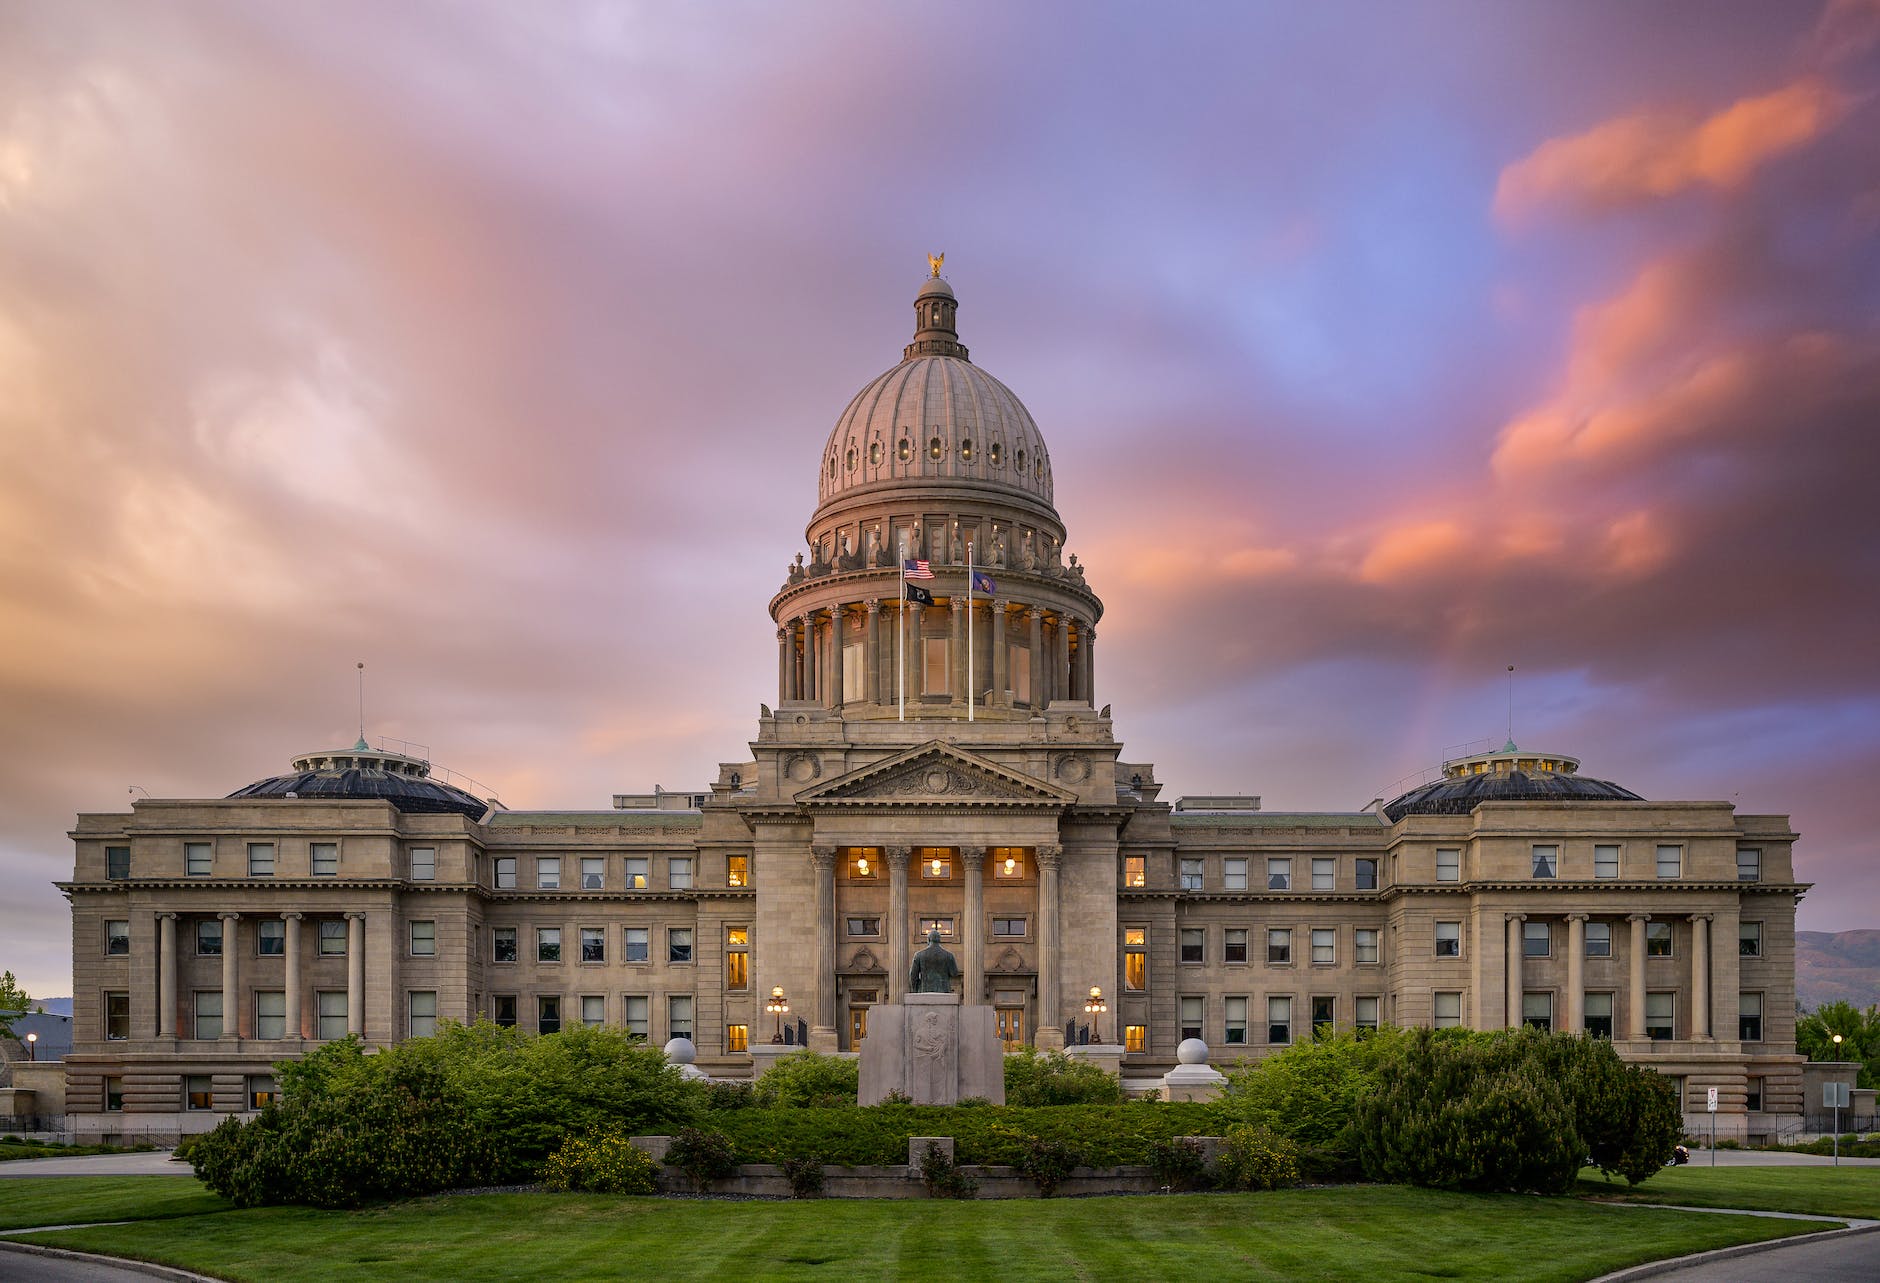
(932, 1050)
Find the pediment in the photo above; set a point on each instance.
(935, 774)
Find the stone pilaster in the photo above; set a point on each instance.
(811, 686)
(1000, 678)
(956, 651)
(822, 1034)
(838, 620)
(785, 668)
(1635, 999)
(1516, 923)
(291, 1021)
(166, 975)
(871, 654)
(898, 957)
(1700, 976)
(1576, 974)
(973, 923)
(231, 990)
(356, 974)
(1061, 661)
(1050, 1010)
(1034, 619)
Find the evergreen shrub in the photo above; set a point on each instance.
(606, 1163)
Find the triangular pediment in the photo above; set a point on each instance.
(935, 774)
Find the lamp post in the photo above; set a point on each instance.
(1094, 1008)
(32, 1046)
(1837, 1107)
(777, 1006)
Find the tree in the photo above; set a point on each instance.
(13, 1002)
(1860, 1037)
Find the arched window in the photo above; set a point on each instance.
(935, 449)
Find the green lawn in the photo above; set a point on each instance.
(72, 1200)
(1825, 1191)
(1356, 1232)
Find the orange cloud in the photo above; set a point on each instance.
(1412, 550)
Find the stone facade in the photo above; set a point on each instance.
(943, 764)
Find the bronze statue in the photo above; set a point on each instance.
(936, 262)
(934, 969)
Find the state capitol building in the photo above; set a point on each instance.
(907, 779)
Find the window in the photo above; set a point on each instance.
(1324, 874)
(866, 927)
(502, 944)
(1279, 875)
(548, 872)
(1194, 944)
(1324, 946)
(421, 1017)
(261, 1091)
(936, 865)
(1008, 928)
(594, 1010)
(1135, 1038)
(1134, 872)
(1324, 1016)
(1605, 861)
(1599, 1015)
(1537, 1011)
(1449, 939)
(548, 944)
(1236, 1027)
(933, 666)
(548, 1013)
(1599, 939)
(737, 870)
(943, 925)
(679, 944)
(261, 859)
(1364, 1014)
(503, 1009)
(197, 859)
(208, 937)
(117, 867)
(1748, 864)
(1449, 864)
(424, 939)
(737, 957)
(1546, 861)
(866, 864)
(593, 872)
(1364, 944)
(593, 944)
(270, 938)
(636, 873)
(1446, 1011)
(1235, 949)
(117, 937)
(208, 1022)
(679, 1015)
(198, 1092)
(679, 873)
(1008, 862)
(1191, 875)
(114, 1095)
(639, 944)
(505, 872)
(1135, 958)
(323, 859)
(1537, 939)
(330, 1014)
(1670, 861)
(1658, 939)
(1752, 1102)
(423, 863)
(1279, 946)
(1279, 1021)
(1749, 1017)
(636, 1010)
(1367, 875)
(737, 1037)
(1234, 874)
(271, 1014)
(1191, 1015)
(1749, 939)
(1660, 1015)
(117, 1016)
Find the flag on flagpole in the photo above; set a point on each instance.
(983, 583)
(916, 570)
(919, 596)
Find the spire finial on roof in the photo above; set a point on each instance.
(362, 746)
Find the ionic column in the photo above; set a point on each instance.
(231, 994)
(823, 1030)
(897, 919)
(291, 1016)
(166, 975)
(1515, 923)
(1035, 618)
(871, 653)
(356, 974)
(1635, 1000)
(956, 652)
(1700, 976)
(785, 668)
(810, 684)
(1050, 1017)
(1576, 973)
(972, 932)
(1000, 678)
(838, 628)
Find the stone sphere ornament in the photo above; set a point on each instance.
(1192, 1052)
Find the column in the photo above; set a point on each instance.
(898, 959)
(1050, 1017)
(291, 1021)
(956, 652)
(1726, 972)
(910, 657)
(166, 975)
(1516, 922)
(838, 638)
(1635, 1000)
(785, 666)
(810, 685)
(823, 1022)
(1035, 618)
(1061, 663)
(1000, 678)
(231, 995)
(871, 654)
(972, 928)
(1576, 973)
(356, 974)
(1700, 976)
(1086, 665)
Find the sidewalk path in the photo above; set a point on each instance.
(154, 1163)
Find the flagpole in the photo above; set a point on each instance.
(969, 630)
(900, 645)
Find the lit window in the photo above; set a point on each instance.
(936, 866)
(1278, 946)
(424, 939)
(1670, 861)
(679, 873)
(1192, 1011)
(1279, 1021)
(117, 1016)
(1234, 875)
(1661, 1016)
(329, 1014)
(738, 1037)
(503, 1010)
(423, 864)
(197, 859)
(1135, 1038)
(1537, 939)
(1324, 875)
(548, 873)
(1134, 873)
(1367, 875)
(1449, 864)
(1008, 862)
(737, 958)
(874, 453)
(636, 873)
(1194, 949)
(593, 944)
(117, 937)
(943, 925)
(117, 867)
(866, 864)
(1191, 875)
(1135, 958)
(1446, 1010)
(593, 872)
(594, 1010)
(1324, 945)
(639, 944)
(1364, 944)
(1235, 947)
(1279, 875)
(208, 1022)
(1605, 861)
(935, 449)
(208, 937)
(1599, 1015)
(737, 870)
(679, 944)
(1449, 939)
(1364, 1013)
(1537, 1011)
(637, 1010)
(905, 450)
(261, 859)
(1236, 1023)
(505, 872)
(323, 860)
(271, 1014)
(1546, 861)
(502, 944)
(422, 1020)
(548, 944)
(1599, 939)
(1749, 939)
(198, 1092)
(1658, 939)
(679, 1015)
(1748, 864)
(1749, 1025)
(548, 1013)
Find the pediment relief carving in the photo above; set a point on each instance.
(939, 774)
(1009, 960)
(865, 960)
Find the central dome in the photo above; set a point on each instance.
(935, 417)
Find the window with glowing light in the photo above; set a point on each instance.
(936, 865)
(866, 864)
(1008, 862)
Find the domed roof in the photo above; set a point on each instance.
(935, 417)
(368, 774)
(1508, 775)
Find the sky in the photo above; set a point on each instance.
(1377, 347)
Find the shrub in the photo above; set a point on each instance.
(703, 1155)
(1034, 1077)
(808, 1080)
(1046, 1163)
(942, 1176)
(607, 1163)
(1257, 1157)
(1179, 1163)
(1309, 1092)
(720, 1096)
(805, 1176)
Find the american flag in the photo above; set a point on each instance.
(916, 570)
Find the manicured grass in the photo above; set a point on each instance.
(1823, 1191)
(1355, 1232)
(73, 1200)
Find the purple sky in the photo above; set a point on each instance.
(1377, 347)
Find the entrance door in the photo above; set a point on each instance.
(858, 1027)
(1011, 1026)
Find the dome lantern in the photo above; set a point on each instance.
(936, 323)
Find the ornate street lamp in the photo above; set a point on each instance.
(777, 1006)
(1094, 1008)
(32, 1045)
